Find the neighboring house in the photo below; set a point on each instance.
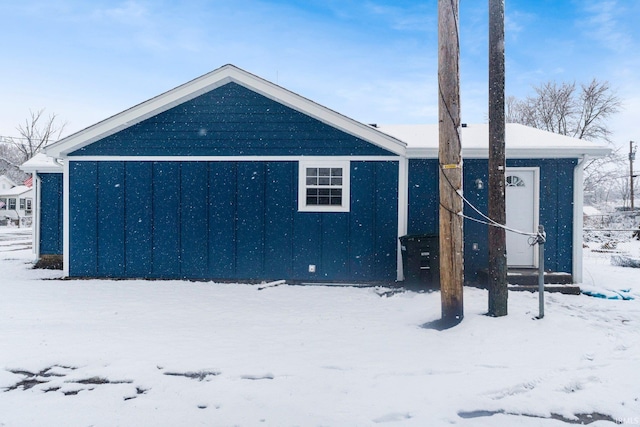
(16, 202)
(48, 219)
(232, 177)
(6, 183)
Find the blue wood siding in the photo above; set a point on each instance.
(166, 219)
(230, 120)
(138, 220)
(51, 199)
(111, 224)
(424, 197)
(228, 220)
(83, 219)
(556, 208)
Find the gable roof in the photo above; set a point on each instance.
(15, 191)
(521, 142)
(206, 83)
(8, 181)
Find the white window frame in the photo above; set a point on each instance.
(303, 165)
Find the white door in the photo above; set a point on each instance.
(522, 193)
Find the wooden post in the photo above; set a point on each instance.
(632, 156)
(450, 158)
(497, 239)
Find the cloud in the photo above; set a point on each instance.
(128, 12)
(603, 25)
(412, 18)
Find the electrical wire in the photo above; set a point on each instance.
(489, 221)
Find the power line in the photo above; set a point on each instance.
(488, 221)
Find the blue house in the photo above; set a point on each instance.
(231, 177)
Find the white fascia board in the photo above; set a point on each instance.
(207, 83)
(42, 168)
(519, 153)
(41, 163)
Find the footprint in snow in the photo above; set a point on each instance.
(392, 417)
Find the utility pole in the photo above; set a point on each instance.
(450, 159)
(632, 156)
(498, 293)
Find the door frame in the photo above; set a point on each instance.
(536, 207)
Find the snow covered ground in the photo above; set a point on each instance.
(171, 353)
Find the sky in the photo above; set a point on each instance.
(374, 61)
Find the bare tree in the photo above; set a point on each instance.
(581, 113)
(36, 132)
(10, 160)
(563, 108)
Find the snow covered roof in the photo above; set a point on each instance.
(8, 182)
(590, 210)
(41, 163)
(15, 191)
(521, 142)
(206, 83)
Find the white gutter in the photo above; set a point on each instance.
(578, 201)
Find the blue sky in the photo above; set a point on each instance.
(375, 61)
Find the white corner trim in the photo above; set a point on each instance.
(35, 227)
(65, 221)
(578, 202)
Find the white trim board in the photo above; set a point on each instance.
(578, 202)
(231, 158)
(65, 221)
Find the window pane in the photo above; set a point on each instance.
(323, 186)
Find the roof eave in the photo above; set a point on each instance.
(516, 153)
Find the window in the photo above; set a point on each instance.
(514, 181)
(22, 205)
(29, 206)
(3, 204)
(12, 204)
(323, 186)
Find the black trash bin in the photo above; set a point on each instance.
(421, 261)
